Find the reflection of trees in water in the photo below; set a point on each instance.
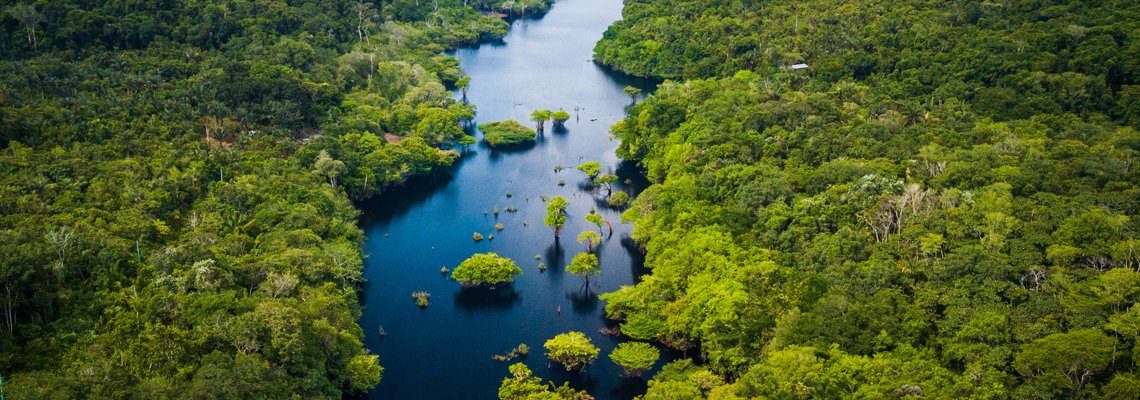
(555, 258)
(629, 388)
(583, 300)
(481, 298)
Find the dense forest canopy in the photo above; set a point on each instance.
(175, 185)
(944, 204)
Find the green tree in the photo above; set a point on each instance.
(573, 350)
(635, 357)
(560, 117)
(589, 238)
(632, 92)
(619, 199)
(463, 84)
(540, 117)
(486, 269)
(556, 214)
(328, 167)
(591, 168)
(596, 218)
(584, 265)
(607, 181)
(1066, 360)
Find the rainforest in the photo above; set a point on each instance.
(571, 199)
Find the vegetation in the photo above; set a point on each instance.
(523, 385)
(584, 265)
(635, 357)
(633, 93)
(590, 239)
(540, 117)
(607, 181)
(506, 133)
(591, 168)
(556, 214)
(619, 199)
(519, 351)
(560, 117)
(486, 269)
(175, 185)
(421, 299)
(572, 349)
(943, 208)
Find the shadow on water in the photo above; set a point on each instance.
(480, 298)
(555, 259)
(396, 201)
(628, 388)
(559, 130)
(584, 300)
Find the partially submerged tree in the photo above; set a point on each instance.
(635, 357)
(589, 238)
(607, 181)
(584, 265)
(632, 92)
(571, 349)
(591, 168)
(560, 117)
(540, 117)
(556, 214)
(463, 84)
(596, 218)
(619, 199)
(487, 269)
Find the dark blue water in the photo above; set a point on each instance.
(444, 351)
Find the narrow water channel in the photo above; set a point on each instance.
(444, 351)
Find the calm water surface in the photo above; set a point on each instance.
(444, 351)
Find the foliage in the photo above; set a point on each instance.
(540, 117)
(591, 168)
(590, 239)
(584, 265)
(619, 199)
(556, 214)
(929, 212)
(175, 187)
(635, 357)
(523, 385)
(560, 116)
(506, 133)
(572, 349)
(486, 269)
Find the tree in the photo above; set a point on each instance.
(463, 84)
(591, 168)
(632, 92)
(486, 269)
(589, 238)
(596, 218)
(1067, 360)
(539, 117)
(560, 117)
(556, 214)
(607, 181)
(572, 349)
(523, 385)
(619, 199)
(27, 15)
(584, 265)
(635, 357)
(328, 167)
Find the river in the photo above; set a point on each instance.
(444, 351)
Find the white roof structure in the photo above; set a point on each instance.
(796, 67)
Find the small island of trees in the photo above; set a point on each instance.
(486, 269)
(571, 349)
(506, 133)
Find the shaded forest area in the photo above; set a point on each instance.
(945, 204)
(176, 185)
